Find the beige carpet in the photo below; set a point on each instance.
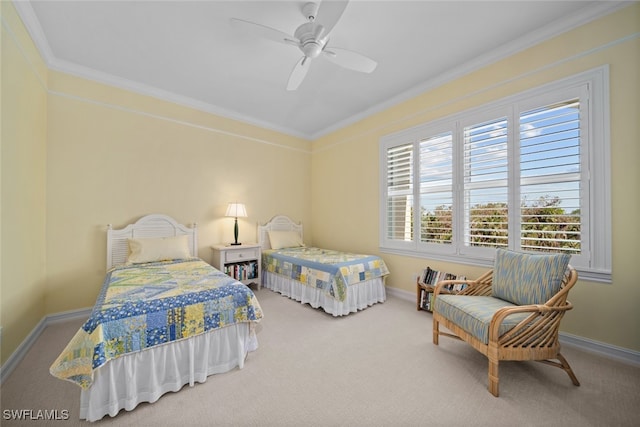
(377, 367)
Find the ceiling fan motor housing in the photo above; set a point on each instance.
(311, 42)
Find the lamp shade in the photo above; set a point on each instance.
(236, 210)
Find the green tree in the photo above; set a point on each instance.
(437, 226)
(545, 226)
(489, 225)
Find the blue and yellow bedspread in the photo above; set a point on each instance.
(144, 305)
(325, 269)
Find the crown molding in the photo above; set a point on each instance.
(538, 36)
(163, 95)
(551, 30)
(31, 22)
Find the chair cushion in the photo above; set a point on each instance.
(523, 279)
(474, 313)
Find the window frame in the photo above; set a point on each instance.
(594, 262)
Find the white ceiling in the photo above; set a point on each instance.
(187, 52)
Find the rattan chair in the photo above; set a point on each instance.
(513, 332)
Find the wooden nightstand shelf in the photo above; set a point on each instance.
(242, 262)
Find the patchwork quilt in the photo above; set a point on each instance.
(144, 305)
(328, 270)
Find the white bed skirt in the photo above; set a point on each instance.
(359, 296)
(125, 382)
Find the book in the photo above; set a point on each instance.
(431, 277)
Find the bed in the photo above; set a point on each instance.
(338, 282)
(164, 318)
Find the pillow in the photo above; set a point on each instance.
(285, 239)
(158, 249)
(524, 279)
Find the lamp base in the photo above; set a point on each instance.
(235, 234)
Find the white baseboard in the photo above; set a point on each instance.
(609, 351)
(24, 347)
(21, 351)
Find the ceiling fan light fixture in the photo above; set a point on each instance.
(311, 49)
(312, 38)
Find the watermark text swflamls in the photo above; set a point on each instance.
(36, 414)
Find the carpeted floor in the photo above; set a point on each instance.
(377, 367)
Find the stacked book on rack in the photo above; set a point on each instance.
(428, 281)
(242, 271)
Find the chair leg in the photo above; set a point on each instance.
(436, 331)
(567, 369)
(492, 355)
(493, 377)
(564, 365)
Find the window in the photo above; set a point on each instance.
(528, 173)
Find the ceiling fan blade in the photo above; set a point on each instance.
(329, 13)
(350, 59)
(264, 31)
(298, 73)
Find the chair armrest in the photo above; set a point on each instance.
(440, 286)
(540, 315)
(481, 286)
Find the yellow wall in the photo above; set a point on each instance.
(23, 186)
(114, 156)
(78, 155)
(346, 198)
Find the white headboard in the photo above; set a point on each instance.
(154, 225)
(277, 223)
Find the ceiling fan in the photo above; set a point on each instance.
(312, 39)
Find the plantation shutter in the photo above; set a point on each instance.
(530, 172)
(436, 189)
(400, 187)
(485, 183)
(550, 178)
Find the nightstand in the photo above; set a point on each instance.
(242, 262)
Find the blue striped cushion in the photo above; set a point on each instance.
(474, 313)
(527, 278)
